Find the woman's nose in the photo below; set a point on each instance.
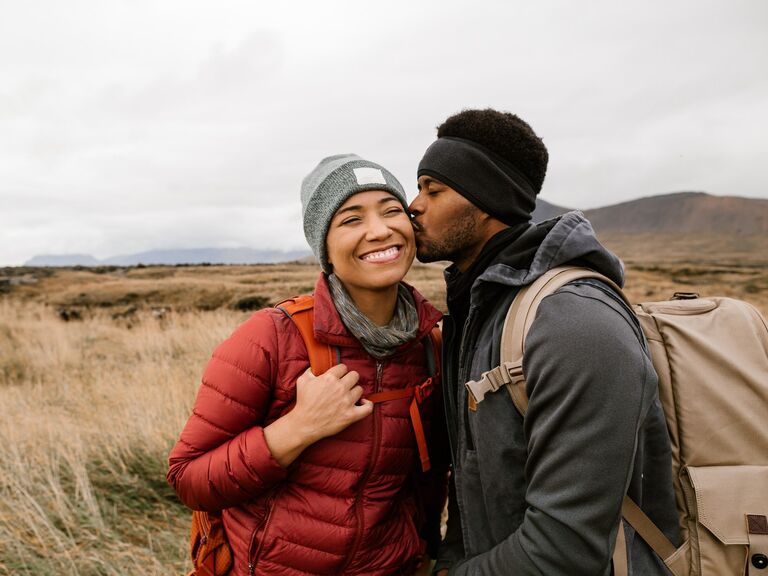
(378, 228)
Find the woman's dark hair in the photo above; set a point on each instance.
(506, 135)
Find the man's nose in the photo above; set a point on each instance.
(415, 207)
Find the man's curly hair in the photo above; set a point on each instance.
(506, 135)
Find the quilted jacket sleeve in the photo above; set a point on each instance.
(221, 458)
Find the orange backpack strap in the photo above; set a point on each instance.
(209, 548)
(301, 309)
(418, 393)
(434, 361)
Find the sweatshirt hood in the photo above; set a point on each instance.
(567, 239)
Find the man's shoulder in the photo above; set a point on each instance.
(593, 296)
(590, 311)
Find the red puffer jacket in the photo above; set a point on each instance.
(348, 504)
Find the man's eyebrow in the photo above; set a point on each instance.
(426, 182)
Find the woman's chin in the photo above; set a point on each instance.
(388, 273)
(376, 278)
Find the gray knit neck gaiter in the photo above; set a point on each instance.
(379, 341)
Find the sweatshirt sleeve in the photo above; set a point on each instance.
(432, 487)
(221, 458)
(451, 548)
(589, 391)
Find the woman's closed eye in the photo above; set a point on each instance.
(350, 220)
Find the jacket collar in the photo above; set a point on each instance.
(566, 239)
(331, 330)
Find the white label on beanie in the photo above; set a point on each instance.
(369, 176)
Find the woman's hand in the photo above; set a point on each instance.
(325, 405)
(328, 403)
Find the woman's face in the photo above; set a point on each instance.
(370, 242)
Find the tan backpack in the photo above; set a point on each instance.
(711, 357)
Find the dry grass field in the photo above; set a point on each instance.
(99, 367)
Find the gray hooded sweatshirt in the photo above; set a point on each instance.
(541, 495)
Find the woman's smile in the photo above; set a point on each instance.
(382, 256)
(370, 243)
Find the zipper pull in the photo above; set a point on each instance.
(251, 568)
(379, 370)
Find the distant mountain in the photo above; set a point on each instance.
(171, 257)
(544, 210)
(62, 260)
(683, 213)
(675, 214)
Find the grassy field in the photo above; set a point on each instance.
(99, 367)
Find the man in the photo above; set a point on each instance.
(539, 495)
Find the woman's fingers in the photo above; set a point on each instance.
(330, 402)
(350, 379)
(355, 394)
(365, 408)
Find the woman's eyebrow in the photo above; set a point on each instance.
(358, 207)
(353, 208)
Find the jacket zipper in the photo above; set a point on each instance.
(462, 415)
(253, 560)
(369, 469)
(449, 386)
(463, 377)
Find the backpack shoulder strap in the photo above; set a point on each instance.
(518, 321)
(301, 309)
(433, 345)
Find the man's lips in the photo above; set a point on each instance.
(380, 256)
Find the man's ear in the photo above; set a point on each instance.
(491, 224)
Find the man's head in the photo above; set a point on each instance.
(481, 175)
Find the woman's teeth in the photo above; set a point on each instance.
(383, 256)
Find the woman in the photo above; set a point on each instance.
(332, 484)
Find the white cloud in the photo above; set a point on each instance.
(131, 126)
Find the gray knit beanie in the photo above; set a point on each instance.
(329, 185)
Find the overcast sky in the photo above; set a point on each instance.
(133, 125)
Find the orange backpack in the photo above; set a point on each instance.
(208, 546)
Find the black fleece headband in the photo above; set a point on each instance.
(483, 177)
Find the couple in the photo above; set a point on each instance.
(335, 486)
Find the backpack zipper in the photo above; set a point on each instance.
(205, 528)
(369, 469)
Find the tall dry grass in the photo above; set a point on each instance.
(90, 409)
(88, 413)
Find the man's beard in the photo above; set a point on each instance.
(453, 243)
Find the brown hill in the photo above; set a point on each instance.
(684, 213)
(546, 210)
